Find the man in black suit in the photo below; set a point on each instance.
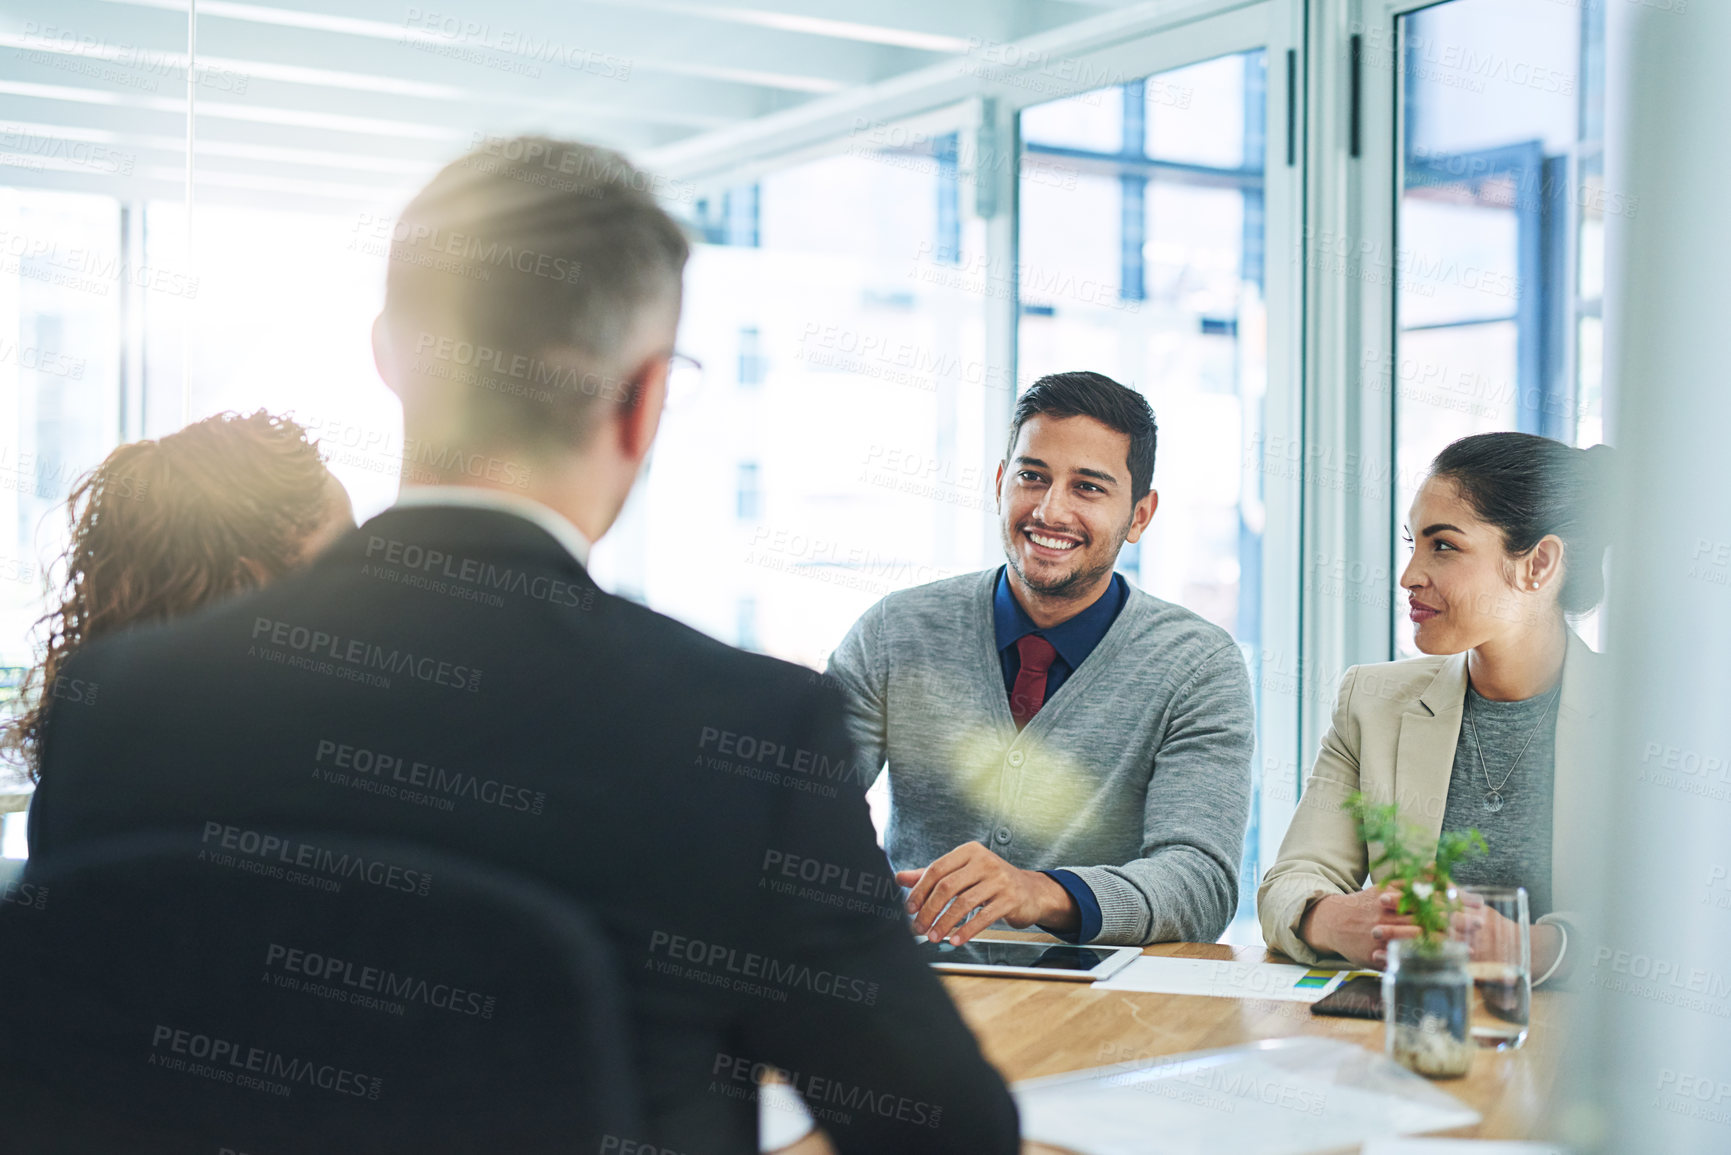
(448, 674)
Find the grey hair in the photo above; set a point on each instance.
(521, 278)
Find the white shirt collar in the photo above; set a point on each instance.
(477, 497)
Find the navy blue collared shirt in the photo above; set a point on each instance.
(1074, 640)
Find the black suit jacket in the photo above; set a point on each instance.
(452, 676)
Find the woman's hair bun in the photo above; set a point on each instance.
(1599, 466)
(1530, 486)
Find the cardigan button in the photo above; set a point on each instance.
(1015, 759)
(1003, 835)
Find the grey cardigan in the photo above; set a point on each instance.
(1135, 775)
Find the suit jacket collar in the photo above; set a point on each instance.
(515, 504)
(1430, 727)
(407, 535)
(1580, 745)
(1447, 691)
(1430, 730)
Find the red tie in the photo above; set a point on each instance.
(1029, 692)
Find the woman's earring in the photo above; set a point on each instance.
(1535, 585)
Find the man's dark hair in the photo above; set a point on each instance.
(1083, 393)
(522, 274)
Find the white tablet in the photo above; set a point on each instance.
(1019, 958)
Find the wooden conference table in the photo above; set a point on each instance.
(1033, 1027)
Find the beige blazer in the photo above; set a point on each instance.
(1393, 737)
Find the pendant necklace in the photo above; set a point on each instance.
(1493, 794)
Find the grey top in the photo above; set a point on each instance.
(1519, 835)
(1135, 774)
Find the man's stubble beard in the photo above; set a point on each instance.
(1076, 582)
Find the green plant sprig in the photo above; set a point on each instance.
(1425, 880)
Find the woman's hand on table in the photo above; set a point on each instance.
(1491, 935)
(1357, 926)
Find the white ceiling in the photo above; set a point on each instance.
(337, 102)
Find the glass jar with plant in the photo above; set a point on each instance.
(1427, 988)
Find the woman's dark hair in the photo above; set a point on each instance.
(163, 527)
(1084, 393)
(1530, 486)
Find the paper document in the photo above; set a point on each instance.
(1230, 980)
(782, 1119)
(1294, 1096)
(1458, 1147)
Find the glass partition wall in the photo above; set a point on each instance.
(1500, 230)
(1143, 251)
(836, 450)
(1142, 248)
(864, 309)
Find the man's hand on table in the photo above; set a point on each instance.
(972, 878)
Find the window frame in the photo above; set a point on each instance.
(983, 108)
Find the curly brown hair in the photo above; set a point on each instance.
(164, 527)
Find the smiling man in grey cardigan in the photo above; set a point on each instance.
(1064, 750)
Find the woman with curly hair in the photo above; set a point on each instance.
(165, 527)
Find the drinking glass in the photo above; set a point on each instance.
(1493, 923)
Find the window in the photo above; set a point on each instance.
(729, 219)
(746, 622)
(865, 433)
(1143, 234)
(1500, 227)
(65, 291)
(750, 504)
(282, 319)
(751, 367)
(860, 303)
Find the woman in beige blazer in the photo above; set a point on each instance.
(1504, 547)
